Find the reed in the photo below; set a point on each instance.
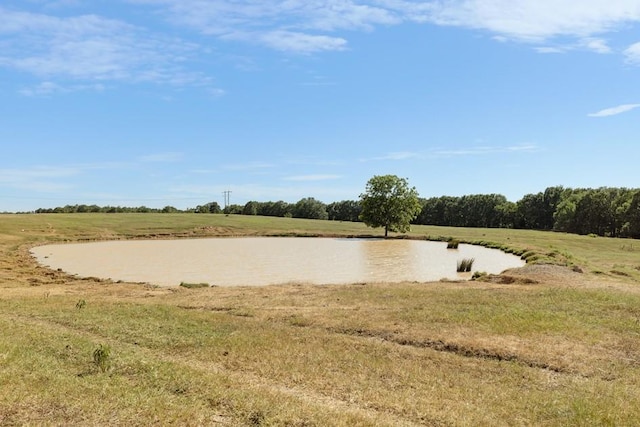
(465, 265)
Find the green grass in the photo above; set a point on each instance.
(560, 351)
(194, 285)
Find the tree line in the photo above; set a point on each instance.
(605, 211)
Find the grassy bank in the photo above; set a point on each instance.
(548, 346)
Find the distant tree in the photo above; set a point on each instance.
(211, 207)
(279, 209)
(507, 213)
(440, 211)
(389, 202)
(250, 208)
(346, 210)
(631, 228)
(310, 208)
(169, 209)
(233, 209)
(565, 215)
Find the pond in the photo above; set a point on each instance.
(257, 261)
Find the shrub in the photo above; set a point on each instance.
(465, 264)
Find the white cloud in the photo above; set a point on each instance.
(301, 42)
(305, 25)
(219, 17)
(550, 49)
(91, 48)
(614, 110)
(536, 20)
(597, 45)
(632, 54)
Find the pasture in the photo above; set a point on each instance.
(554, 343)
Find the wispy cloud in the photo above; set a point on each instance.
(59, 47)
(484, 150)
(312, 177)
(38, 178)
(535, 20)
(614, 110)
(590, 44)
(451, 152)
(296, 25)
(91, 48)
(308, 26)
(396, 155)
(551, 49)
(301, 42)
(248, 166)
(597, 45)
(47, 88)
(632, 54)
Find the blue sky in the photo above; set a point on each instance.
(172, 102)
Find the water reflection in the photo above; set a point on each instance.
(265, 260)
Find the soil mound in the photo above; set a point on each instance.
(536, 273)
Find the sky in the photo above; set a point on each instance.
(173, 102)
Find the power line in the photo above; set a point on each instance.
(227, 197)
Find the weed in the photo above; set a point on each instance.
(453, 243)
(81, 304)
(101, 357)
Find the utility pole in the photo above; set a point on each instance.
(227, 198)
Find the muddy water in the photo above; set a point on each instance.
(270, 260)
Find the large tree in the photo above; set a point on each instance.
(389, 202)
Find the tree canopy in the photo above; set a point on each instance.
(389, 202)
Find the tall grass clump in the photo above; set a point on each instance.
(453, 243)
(464, 265)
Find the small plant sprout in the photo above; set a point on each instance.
(101, 357)
(81, 304)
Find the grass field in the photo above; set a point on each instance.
(544, 346)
